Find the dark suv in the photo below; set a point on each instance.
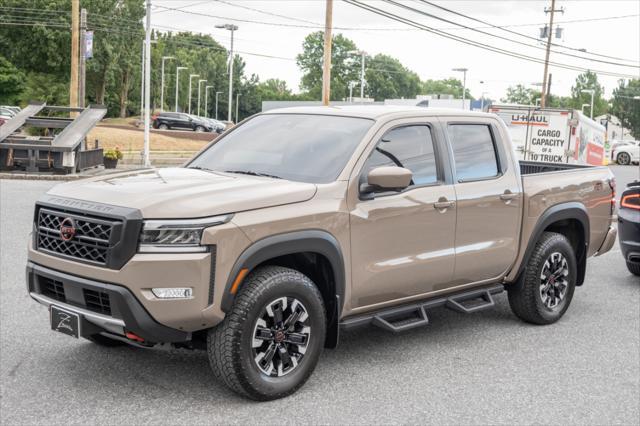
(179, 120)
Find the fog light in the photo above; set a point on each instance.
(173, 293)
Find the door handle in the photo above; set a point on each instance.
(443, 203)
(508, 196)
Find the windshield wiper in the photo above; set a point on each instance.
(200, 168)
(252, 173)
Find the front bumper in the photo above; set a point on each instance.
(102, 307)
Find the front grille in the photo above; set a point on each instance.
(53, 289)
(97, 301)
(91, 242)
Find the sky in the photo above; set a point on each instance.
(277, 28)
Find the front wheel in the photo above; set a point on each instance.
(199, 129)
(544, 292)
(623, 159)
(270, 342)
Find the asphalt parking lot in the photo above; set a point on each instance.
(484, 368)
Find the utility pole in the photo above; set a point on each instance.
(326, 69)
(164, 58)
(551, 12)
(83, 57)
(217, 94)
(75, 44)
(199, 88)
(178, 69)
(147, 84)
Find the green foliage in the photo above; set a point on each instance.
(387, 78)
(626, 105)
(448, 86)
(519, 94)
(113, 154)
(345, 67)
(11, 82)
(588, 80)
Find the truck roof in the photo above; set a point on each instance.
(377, 111)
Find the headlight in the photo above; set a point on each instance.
(176, 236)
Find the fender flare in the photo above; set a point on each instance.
(563, 211)
(315, 241)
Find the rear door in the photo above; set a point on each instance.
(489, 199)
(402, 243)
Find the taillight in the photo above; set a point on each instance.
(631, 201)
(612, 185)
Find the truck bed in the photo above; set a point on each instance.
(533, 167)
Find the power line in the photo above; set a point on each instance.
(463, 40)
(517, 33)
(395, 3)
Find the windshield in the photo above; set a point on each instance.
(300, 147)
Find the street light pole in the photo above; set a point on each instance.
(482, 101)
(231, 28)
(147, 84)
(584, 105)
(217, 93)
(464, 83)
(363, 56)
(592, 91)
(199, 88)
(191, 76)
(178, 84)
(206, 99)
(164, 58)
(237, 103)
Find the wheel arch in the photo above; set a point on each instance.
(571, 220)
(315, 253)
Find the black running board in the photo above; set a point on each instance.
(406, 317)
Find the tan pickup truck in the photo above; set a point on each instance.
(301, 222)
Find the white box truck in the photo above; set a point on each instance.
(553, 135)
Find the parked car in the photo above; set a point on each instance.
(216, 125)
(301, 222)
(626, 152)
(7, 113)
(15, 109)
(2, 120)
(180, 121)
(629, 226)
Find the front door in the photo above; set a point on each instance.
(402, 243)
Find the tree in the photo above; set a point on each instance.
(626, 105)
(521, 95)
(11, 82)
(448, 86)
(588, 81)
(387, 78)
(344, 66)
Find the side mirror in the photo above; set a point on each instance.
(388, 178)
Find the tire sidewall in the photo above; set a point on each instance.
(163, 127)
(562, 246)
(627, 159)
(277, 386)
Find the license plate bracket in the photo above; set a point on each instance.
(64, 321)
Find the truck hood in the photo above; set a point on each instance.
(186, 193)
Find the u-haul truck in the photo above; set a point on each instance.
(553, 135)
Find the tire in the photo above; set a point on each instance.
(623, 159)
(549, 276)
(199, 129)
(163, 126)
(634, 268)
(105, 341)
(238, 358)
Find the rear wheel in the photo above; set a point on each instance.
(544, 292)
(199, 129)
(634, 268)
(270, 342)
(163, 127)
(623, 159)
